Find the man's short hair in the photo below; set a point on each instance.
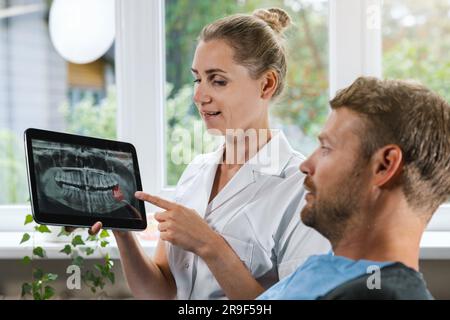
(416, 119)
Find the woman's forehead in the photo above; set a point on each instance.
(214, 54)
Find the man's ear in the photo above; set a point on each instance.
(269, 84)
(387, 165)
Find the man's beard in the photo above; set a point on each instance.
(331, 212)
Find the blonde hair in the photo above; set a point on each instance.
(257, 40)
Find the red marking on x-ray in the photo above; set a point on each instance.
(117, 193)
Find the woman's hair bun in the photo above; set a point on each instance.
(276, 18)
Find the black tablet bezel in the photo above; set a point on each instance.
(80, 221)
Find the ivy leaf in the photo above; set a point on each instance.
(99, 267)
(104, 234)
(48, 292)
(25, 238)
(26, 260)
(89, 251)
(28, 219)
(89, 275)
(52, 276)
(111, 277)
(104, 243)
(36, 290)
(38, 274)
(77, 241)
(63, 232)
(92, 238)
(99, 282)
(67, 249)
(48, 277)
(78, 261)
(26, 289)
(36, 295)
(42, 229)
(38, 251)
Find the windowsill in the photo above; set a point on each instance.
(10, 248)
(435, 245)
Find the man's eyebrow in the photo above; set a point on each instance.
(324, 137)
(209, 71)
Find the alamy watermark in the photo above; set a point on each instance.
(373, 15)
(242, 146)
(74, 280)
(374, 280)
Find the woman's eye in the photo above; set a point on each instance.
(220, 82)
(197, 81)
(217, 81)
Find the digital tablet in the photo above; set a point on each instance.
(77, 181)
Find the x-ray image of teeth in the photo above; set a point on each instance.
(86, 181)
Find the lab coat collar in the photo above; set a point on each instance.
(271, 159)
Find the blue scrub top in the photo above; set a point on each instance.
(319, 275)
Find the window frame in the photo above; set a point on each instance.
(140, 38)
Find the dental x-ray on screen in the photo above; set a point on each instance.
(81, 180)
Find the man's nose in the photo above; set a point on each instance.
(306, 167)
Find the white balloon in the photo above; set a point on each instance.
(82, 30)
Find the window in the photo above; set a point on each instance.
(38, 88)
(416, 42)
(147, 107)
(303, 108)
(416, 45)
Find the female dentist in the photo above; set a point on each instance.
(233, 229)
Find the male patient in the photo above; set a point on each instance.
(381, 171)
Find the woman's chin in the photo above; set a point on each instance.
(215, 131)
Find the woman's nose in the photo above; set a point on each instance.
(200, 95)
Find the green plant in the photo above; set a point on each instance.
(94, 279)
(40, 288)
(84, 118)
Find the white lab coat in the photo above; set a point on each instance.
(258, 214)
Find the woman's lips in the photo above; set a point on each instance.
(211, 115)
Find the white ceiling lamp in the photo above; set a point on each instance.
(82, 30)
